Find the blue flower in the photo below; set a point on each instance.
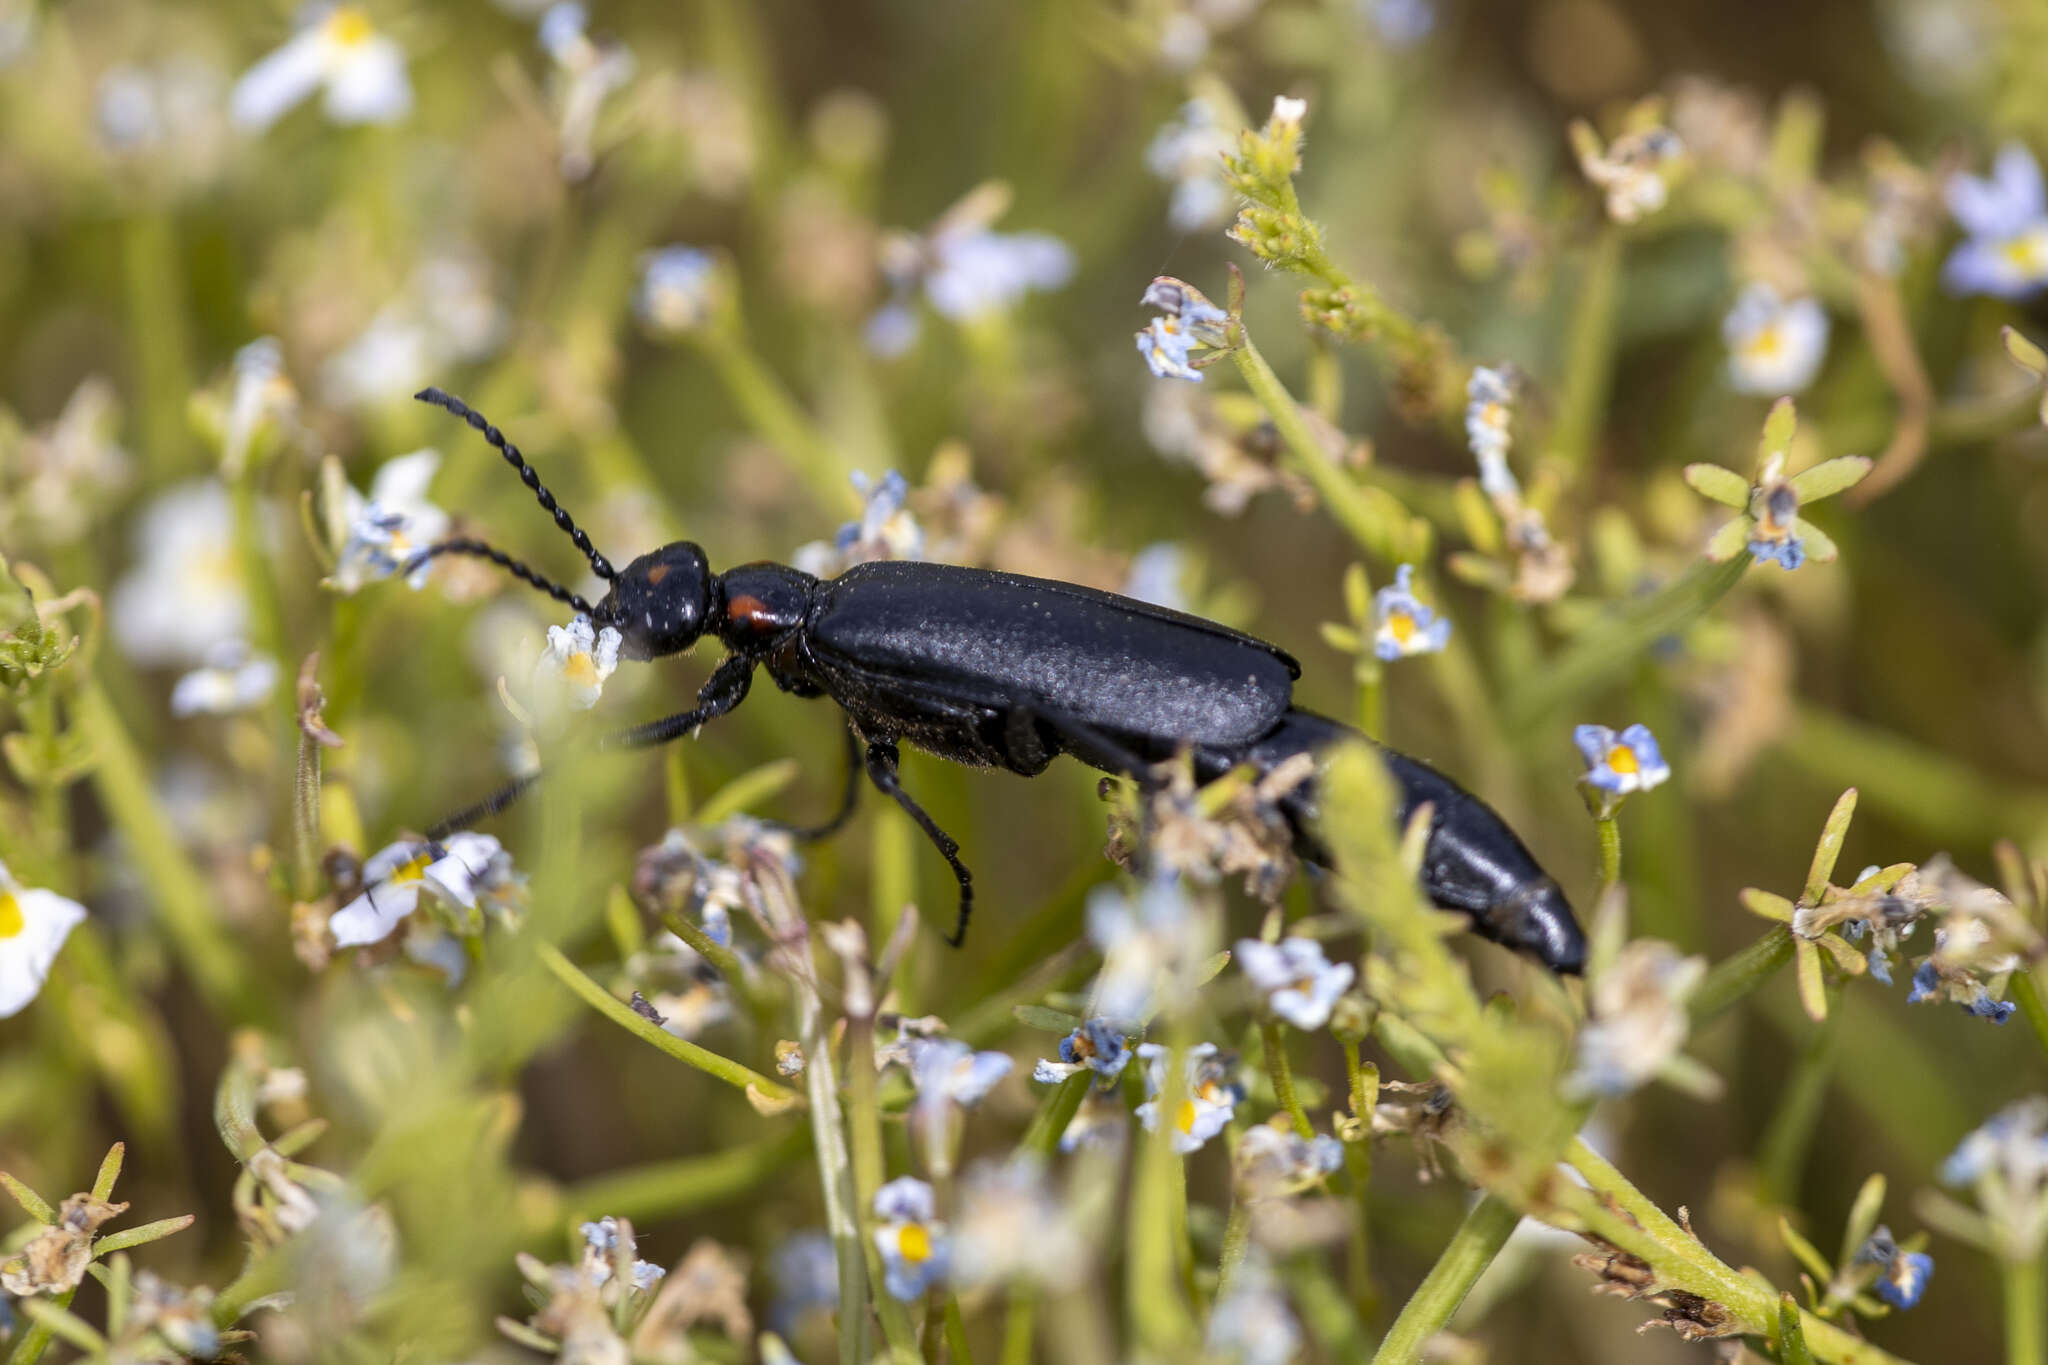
(1623, 763)
(1774, 512)
(2006, 217)
(1775, 344)
(677, 292)
(1488, 395)
(806, 1274)
(1098, 1046)
(911, 1239)
(1930, 984)
(1902, 1275)
(1188, 320)
(1402, 625)
(2011, 1145)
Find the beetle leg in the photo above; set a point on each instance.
(847, 800)
(724, 689)
(882, 771)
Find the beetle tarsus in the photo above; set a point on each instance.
(883, 759)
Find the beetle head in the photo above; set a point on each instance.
(659, 602)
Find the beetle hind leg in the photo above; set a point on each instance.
(882, 764)
(848, 799)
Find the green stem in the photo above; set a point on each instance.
(156, 326)
(1371, 518)
(622, 1014)
(1237, 1238)
(1610, 850)
(775, 416)
(956, 1333)
(1589, 357)
(1283, 1076)
(1020, 1326)
(1472, 1248)
(2026, 993)
(185, 904)
(1789, 1137)
(1734, 977)
(1055, 1112)
(1620, 642)
(665, 1189)
(864, 1141)
(37, 1338)
(2026, 1325)
(1158, 1310)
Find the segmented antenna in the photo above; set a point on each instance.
(504, 561)
(599, 565)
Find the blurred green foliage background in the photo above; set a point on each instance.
(488, 242)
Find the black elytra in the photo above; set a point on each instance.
(998, 670)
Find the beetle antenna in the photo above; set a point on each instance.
(504, 561)
(599, 565)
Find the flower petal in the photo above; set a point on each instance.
(270, 88)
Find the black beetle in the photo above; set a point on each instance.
(999, 670)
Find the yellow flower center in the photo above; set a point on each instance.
(914, 1243)
(12, 921)
(1187, 1117)
(1493, 415)
(1622, 759)
(2025, 253)
(1402, 625)
(1766, 343)
(580, 669)
(414, 870)
(349, 26)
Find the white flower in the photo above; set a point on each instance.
(234, 678)
(1639, 1019)
(61, 475)
(967, 271)
(578, 659)
(391, 525)
(1210, 1099)
(1141, 938)
(1188, 153)
(362, 71)
(1300, 985)
(1011, 1228)
(587, 74)
(1402, 625)
(1288, 113)
(1273, 1160)
(447, 315)
(601, 1243)
(1775, 345)
(33, 926)
(185, 593)
(1631, 169)
(259, 393)
(456, 870)
(1157, 574)
(1252, 1324)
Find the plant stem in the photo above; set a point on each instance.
(1618, 643)
(2026, 1324)
(620, 1013)
(1350, 503)
(2026, 993)
(664, 1189)
(1589, 356)
(1790, 1134)
(775, 416)
(1610, 850)
(1472, 1248)
(1283, 1076)
(864, 1138)
(1736, 976)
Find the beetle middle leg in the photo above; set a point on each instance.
(882, 762)
(848, 799)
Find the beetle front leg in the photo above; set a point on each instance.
(722, 691)
(883, 759)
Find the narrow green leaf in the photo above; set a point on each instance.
(1830, 477)
(1829, 848)
(1719, 483)
(1729, 541)
(1862, 1217)
(1808, 1255)
(1792, 1347)
(748, 790)
(2024, 352)
(1769, 904)
(62, 1323)
(110, 1171)
(134, 1237)
(1778, 430)
(32, 1203)
(1820, 546)
(1813, 990)
(1045, 1018)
